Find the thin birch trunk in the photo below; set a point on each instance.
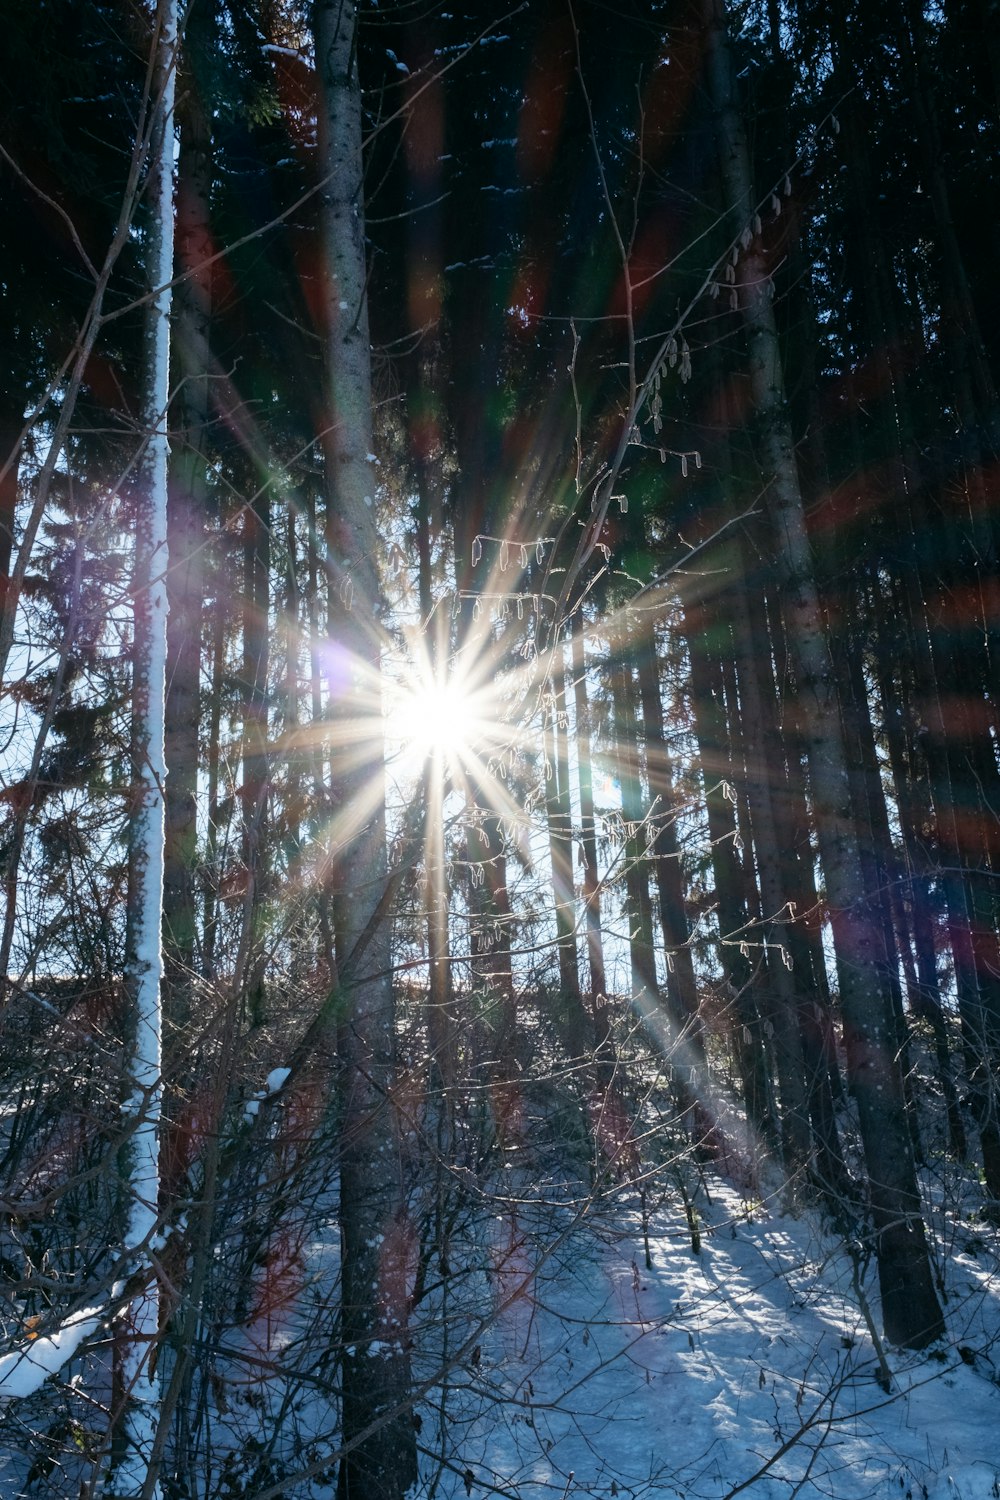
(67, 382)
(292, 634)
(143, 963)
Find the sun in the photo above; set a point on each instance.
(448, 712)
(434, 716)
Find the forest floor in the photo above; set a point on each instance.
(710, 1345)
(693, 1342)
(747, 1367)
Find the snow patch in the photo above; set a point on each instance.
(276, 1079)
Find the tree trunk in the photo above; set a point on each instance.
(10, 455)
(754, 672)
(910, 1306)
(442, 1025)
(688, 1038)
(588, 837)
(559, 821)
(186, 515)
(213, 769)
(292, 634)
(878, 856)
(975, 385)
(255, 786)
(486, 852)
(916, 813)
(737, 938)
(682, 988)
(378, 1435)
(143, 959)
(638, 907)
(898, 462)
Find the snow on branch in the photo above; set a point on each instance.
(23, 1370)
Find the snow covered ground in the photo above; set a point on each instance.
(745, 1368)
(577, 1369)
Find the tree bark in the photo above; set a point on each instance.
(916, 813)
(137, 1373)
(637, 904)
(687, 1038)
(754, 673)
(682, 988)
(186, 514)
(560, 831)
(10, 456)
(737, 937)
(588, 837)
(213, 774)
(254, 792)
(910, 1306)
(442, 1026)
(900, 657)
(378, 1434)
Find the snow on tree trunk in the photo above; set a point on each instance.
(139, 1380)
(377, 1429)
